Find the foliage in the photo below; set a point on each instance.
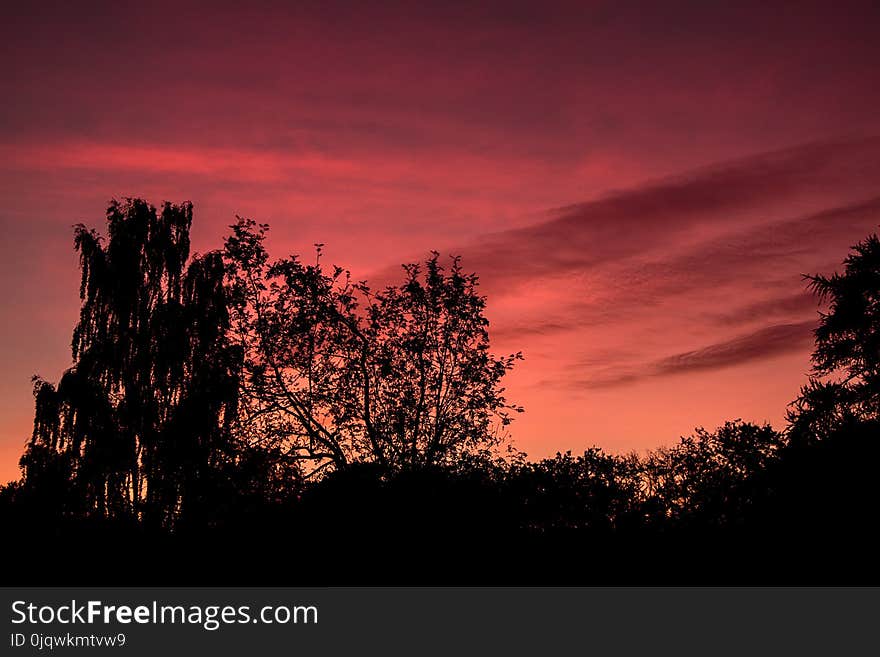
(592, 491)
(845, 386)
(704, 478)
(339, 374)
(140, 425)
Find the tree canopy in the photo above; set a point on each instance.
(140, 425)
(845, 386)
(338, 373)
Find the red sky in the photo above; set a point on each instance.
(639, 185)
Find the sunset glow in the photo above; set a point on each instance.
(640, 189)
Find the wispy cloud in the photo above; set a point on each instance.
(766, 342)
(706, 267)
(649, 219)
(785, 305)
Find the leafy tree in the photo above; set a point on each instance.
(706, 477)
(845, 386)
(139, 427)
(592, 491)
(337, 373)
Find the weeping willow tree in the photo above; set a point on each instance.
(139, 427)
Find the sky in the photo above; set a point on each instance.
(640, 186)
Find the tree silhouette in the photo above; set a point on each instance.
(139, 427)
(339, 374)
(845, 386)
(706, 477)
(593, 491)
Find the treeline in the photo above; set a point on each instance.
(234, 419)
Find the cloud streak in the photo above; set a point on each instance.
(766, 342)
(647, 219)
(709, 271)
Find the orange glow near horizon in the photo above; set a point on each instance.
(639, 189)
